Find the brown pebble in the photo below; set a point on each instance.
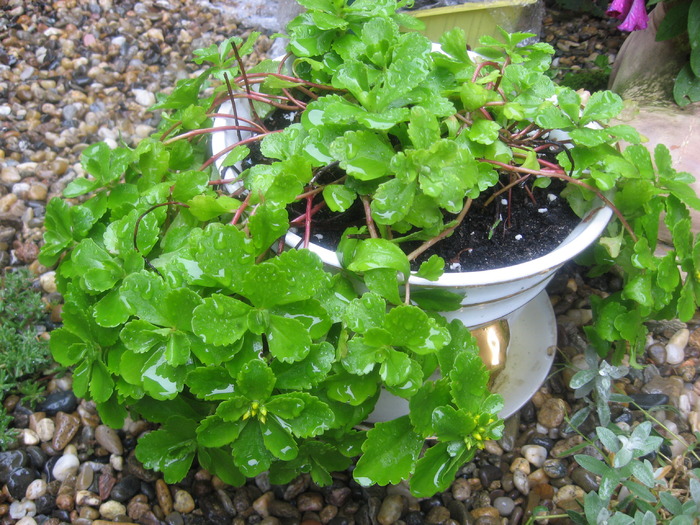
(183, 502)
(67, 427)
(485, 511)
(437, 515)
(552, 412)
(165, 499)
(136, 509)
(391, 509)
(108, 438)
(310, 501)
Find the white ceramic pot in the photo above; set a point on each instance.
(489, 295)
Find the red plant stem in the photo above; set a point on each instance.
(240, 210)
(481, 66)
(307, 225)
(485, 113)
(567, 178)
(368, 218)
(506, 62)
(550, 165)
(169, 130)
(228, 149)
(301, 218)
(238, 118)
(247, 84)
(204, 131)
(523, 132)
(444, 233)
(300, 105)
(233, 105)
(219, 182)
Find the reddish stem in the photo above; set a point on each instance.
(307, 225)
(240, 210)
(228, 149)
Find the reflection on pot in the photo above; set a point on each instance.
(493, 340)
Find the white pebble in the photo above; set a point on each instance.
(144, 97)
(675, 349)
(36, 489)
(29, 437)
(518, 237)
(456, 267)
(117, 462)
(521, 482)
(66, 465)
(27, 520)
(20, 509)
(111, 509)
(551, 197)
(45, 429)
(48, 281)
(542, 210)
(504, 201)
(535, 454)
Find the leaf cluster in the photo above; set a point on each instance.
(22, 354)
(183, 307)
(251, 360)
(631, 492)
(683, 20)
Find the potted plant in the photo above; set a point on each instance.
(183, 306)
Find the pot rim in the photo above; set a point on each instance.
(589, 229)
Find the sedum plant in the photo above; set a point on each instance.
(183, 306)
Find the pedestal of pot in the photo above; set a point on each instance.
(529, 356)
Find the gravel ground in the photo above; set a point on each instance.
(76, 72)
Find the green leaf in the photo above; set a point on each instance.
(256, 381)
(384, 281)
(674, 23)
(432, 269)
(215, 432)
(207, 207)
(160, 379)
(220, 320)
(361, 357)
(250, 454)
(210, 383)
(437, 469)
(140, 336)
(390, 453)
(468, 378)
(292, 276)
(278, 440)
(338, 197)
(169, 450)
(392, 201)
(592, 464)
(145, 292)
(223, 253)
(99, 270)
(436, 299)
(379, 253)
(351, 389)
(601, 107)
(288, 339)
(315, 418)
(409, 326)
(111, 310)
(302, 375)
(363, 154)
(101, 382)
(484, 131)
(220, 463)
(365, 312)
(687, 87)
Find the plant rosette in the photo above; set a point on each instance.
(178, 309)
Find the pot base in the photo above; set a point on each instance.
(529, 356)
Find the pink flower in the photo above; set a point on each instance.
(633, 13)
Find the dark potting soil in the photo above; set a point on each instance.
(500, 235)
(517, 226)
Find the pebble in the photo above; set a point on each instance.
(555, 468)
(165, 499)
(675, 349)
(505, 506)
(112, 509)
(67, 465)
(552, 412)
(535, 454)
(391, 509)
(183, 502)
(36, 489)
(109, 439)
(45, 429)
(521, 482)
